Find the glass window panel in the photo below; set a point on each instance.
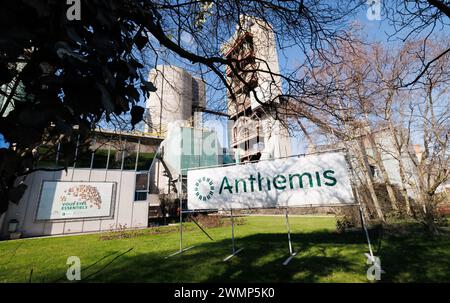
(131, 149)
(84, 159)
(100, 158)
(141, 182)
(140, 196)
(115, 159)
(145, 161)
(129, 162)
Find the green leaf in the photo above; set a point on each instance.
(108, 105)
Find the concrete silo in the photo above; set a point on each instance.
(175, 114)
(178, 97)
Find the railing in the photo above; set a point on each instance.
(159, 135)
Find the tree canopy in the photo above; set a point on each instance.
(59, 78)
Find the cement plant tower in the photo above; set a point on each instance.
(179, 97)
(255, 134)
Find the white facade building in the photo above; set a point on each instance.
(179, 97)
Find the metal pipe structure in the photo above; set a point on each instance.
(76, 157)
(180, 181)
(369, 256)
(232, 232)
(107, 161)
(234, 251)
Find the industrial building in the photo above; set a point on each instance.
(175, 112)
(257, 132)
(127, 177)
(179, 97)
(119, 184)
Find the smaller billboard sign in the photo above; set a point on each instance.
(73, 200)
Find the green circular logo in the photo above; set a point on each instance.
(204, 189)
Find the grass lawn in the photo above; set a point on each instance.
(324, 255)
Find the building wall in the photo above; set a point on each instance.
(389, 155)
(269, 83)
(184, 148)
(271, 139)
(177, 95)
(277, 143)
(126, 210)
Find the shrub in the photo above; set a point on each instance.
(347, 218)
(119, 232)
(211, 221)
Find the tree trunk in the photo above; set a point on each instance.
(362, 156)
(2, 219)
(380, 164)
(404, 190)
(399, 149)
(311, 145)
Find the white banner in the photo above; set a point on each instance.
(310, 180)
(72, 200)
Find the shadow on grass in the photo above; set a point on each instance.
(323, 256)
(411, 255)
(261, 261)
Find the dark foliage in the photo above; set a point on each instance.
(59, 77)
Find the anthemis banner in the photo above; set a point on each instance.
(72, 200)
(319, 179)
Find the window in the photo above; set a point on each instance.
(140, 196)
(247, 145)
(100, 158)
(131, 149)
(129, 161)
(115, 158)
(141, 188)
(145, 160)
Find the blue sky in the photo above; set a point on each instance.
(375, 30)
(2, 142)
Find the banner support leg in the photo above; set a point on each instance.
(371, 259)
(234, 251)
(180, 188)
(370, 255)
(291, 253)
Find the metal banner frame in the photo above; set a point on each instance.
(370, 257)
(234, 252)
(292, 253)
(181, 250)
